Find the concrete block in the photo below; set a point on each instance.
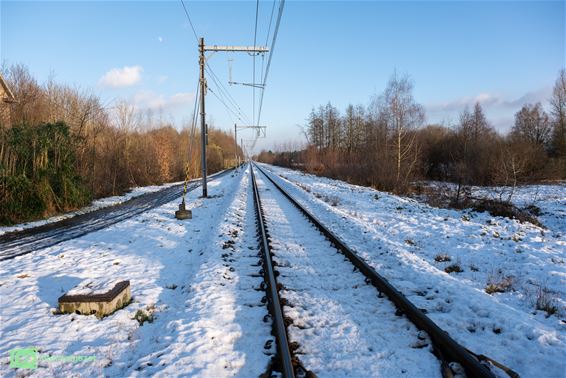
(97, 303)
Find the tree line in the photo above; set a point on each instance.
(64, 147)
(387, 144)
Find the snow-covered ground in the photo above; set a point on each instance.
(198, 279)
(95, 205)
(412, 244)
(549, 198)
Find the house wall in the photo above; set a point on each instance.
(5, 106)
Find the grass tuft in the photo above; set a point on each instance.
(453, 268)
(545, 301)
(443, 257)
(143, 316)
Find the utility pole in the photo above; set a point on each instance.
(203, 128)
(235, 145)
(203, 136)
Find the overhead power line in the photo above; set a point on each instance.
(189, 18)
(271, 50)
(220, 91)
(223, 93)
(255, 43)
(268, 34)
(230, 112)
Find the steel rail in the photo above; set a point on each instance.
(279, 329)
(32, 239)
(444, 345)
(14, 239)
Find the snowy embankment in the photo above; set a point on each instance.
(95, 205)
(550, 199)
(414, 246)
(342, 327)
(546, 201)
(197, 279)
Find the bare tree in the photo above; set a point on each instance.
(474, 147)
(474, 126)
(558, 104)
(402, 115)
(532, 125)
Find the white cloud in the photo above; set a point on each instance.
(485, 99)
(151, 100)
(121, 77)
(488, 100)
(160, 39)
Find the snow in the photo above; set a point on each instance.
(95, 205)
(550, 199)
(199, 280)
(341, 325)
(93, 286)
(401, 238)
(208, 315)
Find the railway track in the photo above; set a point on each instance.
(19, 243)
(445, 349)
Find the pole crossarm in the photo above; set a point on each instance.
(247, 84)
(251, 127)
(251, 49)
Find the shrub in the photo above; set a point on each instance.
(42, 177)
(504, 209)
(453, 268)
(143, 316)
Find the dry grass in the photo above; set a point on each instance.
(443, 257)
(499, 283)
(545, 301)
(453, 268)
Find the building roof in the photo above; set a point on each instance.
(8, 95)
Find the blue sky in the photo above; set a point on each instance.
(502, 53)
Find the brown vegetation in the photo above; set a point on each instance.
(63, 147)
(386, 145)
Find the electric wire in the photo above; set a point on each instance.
(222, 94)
(275, 32)
(189, 18)
(196, 109)
(267, 38)
(225, 95)
(226, 106)
(253, 76)
(224, 91)
(215, 78)
(191, 135)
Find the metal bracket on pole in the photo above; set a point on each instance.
(252, 49)
(260, 130)
(247, 84)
